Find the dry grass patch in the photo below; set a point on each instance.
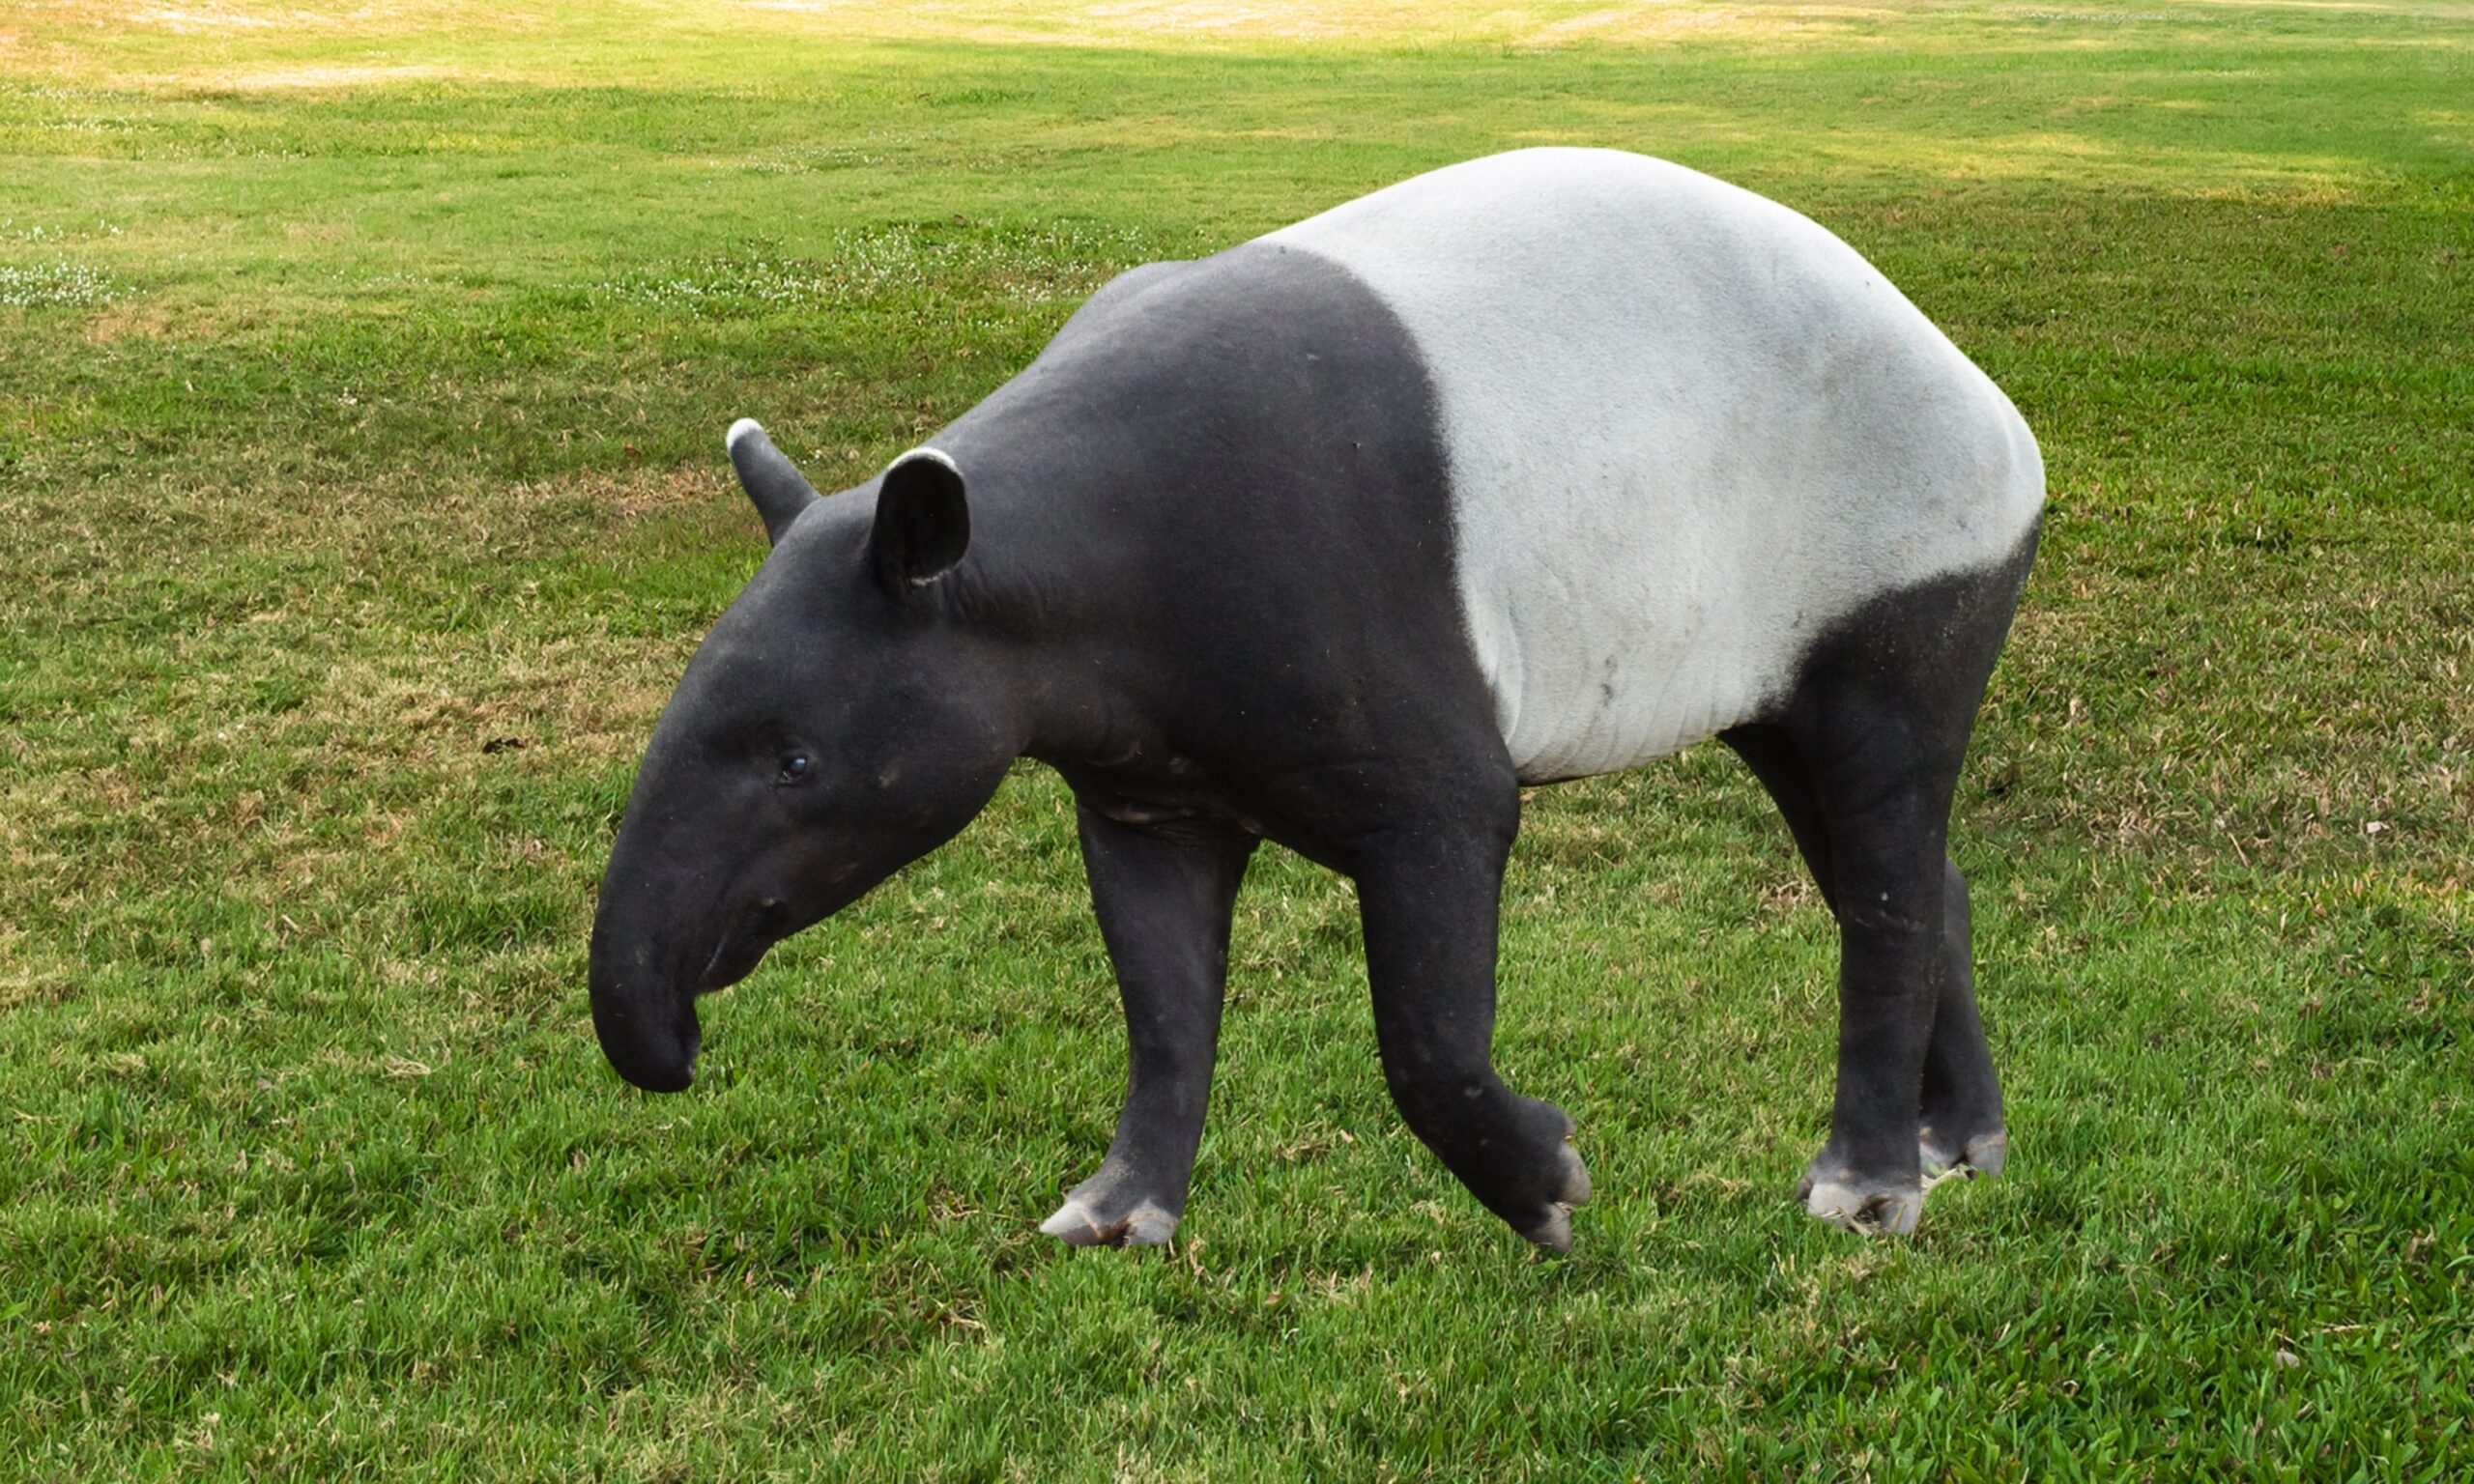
(323, 78)
(1653, 24)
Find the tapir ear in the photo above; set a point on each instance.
(769, 478)
(923, 522)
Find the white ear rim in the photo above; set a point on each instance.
(738, 430)
(934, 455)
(897, 523)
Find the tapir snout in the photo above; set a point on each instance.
(643, 1006)
(650, 1038)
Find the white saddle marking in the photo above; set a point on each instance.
(1687, 428)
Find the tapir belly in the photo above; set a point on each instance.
(1687, 429)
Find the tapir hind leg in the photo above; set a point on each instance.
(1430, 893)
(1959, 1131)
(1864, 761)
(1164, 901)
(1959, 1125)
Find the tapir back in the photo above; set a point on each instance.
(1686, 430)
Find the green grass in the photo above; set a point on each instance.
(361, 378)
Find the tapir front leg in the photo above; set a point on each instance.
(1164, 902)
(1429, 902)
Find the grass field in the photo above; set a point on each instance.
(363, 372)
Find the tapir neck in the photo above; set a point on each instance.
(1221, 482)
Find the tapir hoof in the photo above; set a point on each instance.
(1078, 1225)
(1841, 1195)
(1834, 1192)
(1555, 1232)
(1872, 1210)
(1981, 1154)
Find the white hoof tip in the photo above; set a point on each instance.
(1072, 1223)
(1148, 1227)
(1555, 1232)
(1873, 1213)
(1575, 1188)
(742, 429)
(1076, 1225)
(1983, 1155)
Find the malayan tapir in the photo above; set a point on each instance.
(1532, 468)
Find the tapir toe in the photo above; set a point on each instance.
(1078, 1225)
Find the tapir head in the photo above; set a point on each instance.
(839, 721)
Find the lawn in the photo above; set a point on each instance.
(363, 372)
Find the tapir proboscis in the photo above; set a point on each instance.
(1533, 468)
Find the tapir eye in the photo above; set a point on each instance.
(795, 768)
